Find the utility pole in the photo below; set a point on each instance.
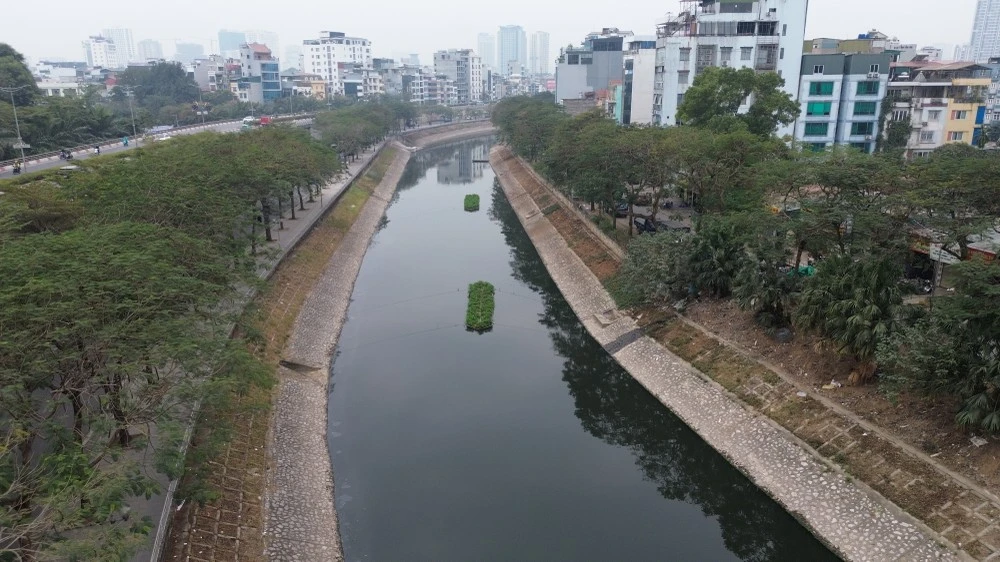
(128, 92)
(201, 106)
(17, 125)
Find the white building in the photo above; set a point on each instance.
(637, 88)
(512, 45)
(766, 35)
(102, 52)
(324, 57)
(122, 38)
(210, 73)
(932, 54)
(486, 47)
(465, 69)
(149, 49)
(841, 97)
(538, 55)
(985, 42)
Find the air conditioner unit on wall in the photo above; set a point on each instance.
(873, 74)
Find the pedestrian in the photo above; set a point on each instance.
(97, 149)
(125, 141)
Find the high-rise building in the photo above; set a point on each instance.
(539, 53)
(101, 52)
(230, 41)
(149, 49)
(187, 52)
(122, 38)
(293, 56)
(262, 37)
(766, 35)
(985, 41)
(333, 50)
(586, 75)
(465, 68)
(961, 53)
(486, 46)
(512, 45)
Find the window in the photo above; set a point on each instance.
(927, 137)
(873, 68)
(685, 54)
(683, 77)
(959, 115)
(784, 29)
(865, 108)
(862, 146)
(817, 129)
(781, 54)
(956, 136)
(866, 129)
(819, 108)
(746, 53)
(867, 88)
(821, 89)
(818, 146)
(921, 153)
(726, 54)
(934, 115)
(819, 68)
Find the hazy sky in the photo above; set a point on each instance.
(55, 28)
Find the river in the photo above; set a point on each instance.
(525, 443)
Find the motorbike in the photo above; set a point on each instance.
(17, 169)
(65, 155)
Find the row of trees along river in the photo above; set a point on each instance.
(160, 94)
(763, 206)
(116, 280)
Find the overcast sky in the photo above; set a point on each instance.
(55, 28)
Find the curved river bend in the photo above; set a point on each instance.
(525, 443)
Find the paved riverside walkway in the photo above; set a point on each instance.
(855, 524)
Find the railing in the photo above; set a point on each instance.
(45, 156)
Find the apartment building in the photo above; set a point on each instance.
(633, 101)
(325, 55)
(512, 48)
(101, 52)
(465, 68)
(943, 102)
(592, 70)
(766, 35)
(210, 73)
(841, 98)
(259, 80)
(122, 38)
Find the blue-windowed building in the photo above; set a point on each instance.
(260, 81)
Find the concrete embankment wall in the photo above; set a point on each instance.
(854, 523)
(300, 517)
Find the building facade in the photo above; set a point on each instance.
(636, 103)
(259, 75)
(841, 97)
(187, 52)
(465, 69)
(263, 37)
(230, 41)
(122, 38)
(210, 73)
(486, 47)
(538, 53)
(765, 35)
(512, 49)
(943, 102)
(101, 52)
(326, 55)
(592, 70)
(149, 49)
(985, 42)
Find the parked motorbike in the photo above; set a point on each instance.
(65, 155)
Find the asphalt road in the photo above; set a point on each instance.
(55, 162)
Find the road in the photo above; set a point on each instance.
(54, 161)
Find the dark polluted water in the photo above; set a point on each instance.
(525, 443)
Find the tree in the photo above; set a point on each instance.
(166, 81)
(14, 73)
(715, 97)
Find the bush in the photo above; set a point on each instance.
(472, 202)
(479, 314)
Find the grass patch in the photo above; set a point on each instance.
(471, 202)
(479, 314)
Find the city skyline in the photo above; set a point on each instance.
(40, 39)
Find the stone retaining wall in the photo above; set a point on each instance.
(857, 524)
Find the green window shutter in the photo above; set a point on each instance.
(867, 88)
(821, 88)
(862, 128)
(816, 129)
(865, 108)
(819, 108)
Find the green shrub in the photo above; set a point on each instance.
(472, 202)
(479, 314)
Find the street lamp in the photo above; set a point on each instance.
(17, 125)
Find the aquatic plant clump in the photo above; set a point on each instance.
(472, 202)
(479, 314)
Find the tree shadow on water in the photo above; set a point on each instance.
(612, 406)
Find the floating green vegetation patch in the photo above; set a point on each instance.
(479, 314)
(472, 203)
